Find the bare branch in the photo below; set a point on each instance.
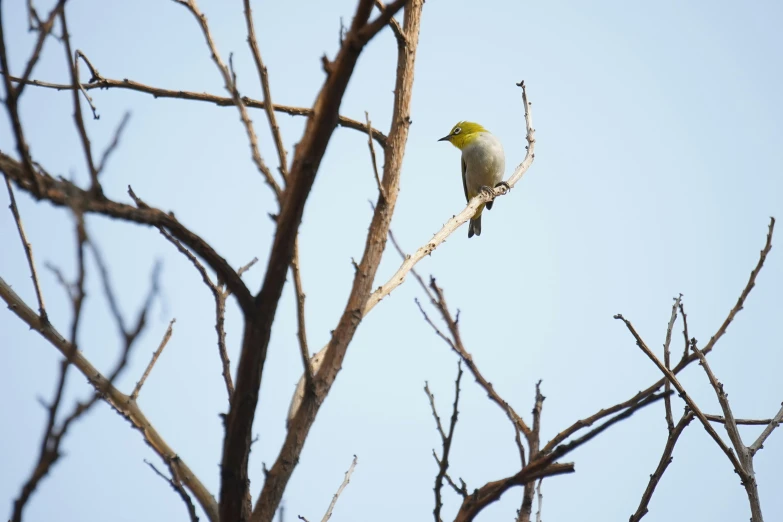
(455, 342)
(100, 82)
(667, 362)
(394, 24)
(117, 400)
(318, 130)
(135, 394)
(666, 459)
(346, 480)
(73, 67)
(114, 143)
(685, 361)
(264, 77)
(456, 221)
(233, 90)
(691, 404)
(28, 250)
(747, 422)
(301, 332)
(373, 158)
(446, 440)
(774, 423)
(176, 485)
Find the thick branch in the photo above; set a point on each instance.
(61, 192)
(335, 351)
(307, 159)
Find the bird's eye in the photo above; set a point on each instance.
(457, 131)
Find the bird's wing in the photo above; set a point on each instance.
(464, 178)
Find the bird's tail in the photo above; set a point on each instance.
(474, 227)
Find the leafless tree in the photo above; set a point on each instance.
(291, 186)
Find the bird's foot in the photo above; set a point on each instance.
(504, 185)
(489, 191)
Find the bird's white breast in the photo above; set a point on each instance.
(485, 162)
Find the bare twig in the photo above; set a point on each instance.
(455, 342)
(221, 101)
(747, 422)
(540, 500)
(114, 143)
(691, 404)
(744, 454)
(774, 423)
(233, 90)
(301, 332)
(307, 158)
(346, 480)
(446, 440)
(264, 77)
(394, 24)
(112, 396)
(73, 67)
(28, 250)
(667, 362)
(135, 394)
(49, 452)
(666, 459)
(220, 294)
(176, 485)
(373, 158)
(684, 362)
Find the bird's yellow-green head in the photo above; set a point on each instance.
(463, 133)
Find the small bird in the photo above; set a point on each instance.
(483, 164)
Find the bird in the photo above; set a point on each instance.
(483, 164)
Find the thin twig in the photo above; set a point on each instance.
(135, 394)
(114, 143)
(221, 101)
(233, 90)
(264, 77)
(395, 25)
(49, 451)
(176, 485)
(744, 454)
(455, 342)
(684, 362)
(446, 440)
(746, 422)
(540, 500)
(301, 332)
(346, 480)
(28, 250)
(373, 158)
(73, 67)
(667, 362)
(774, 423)
(691, 404)
(109, 393)
(663, 463)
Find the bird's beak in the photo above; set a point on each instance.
(445, 138)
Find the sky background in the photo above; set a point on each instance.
(657, 169)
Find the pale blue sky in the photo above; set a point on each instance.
(657, 168)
